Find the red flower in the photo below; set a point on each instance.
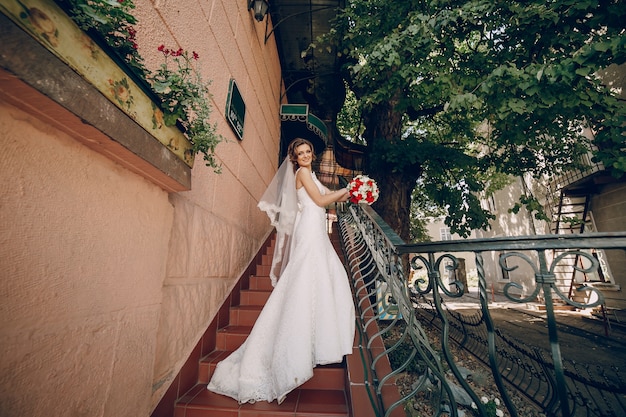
(363, 190)
(195, 55)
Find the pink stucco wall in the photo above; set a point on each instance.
(83, 253)
(107, 280)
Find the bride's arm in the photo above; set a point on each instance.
(304, 177)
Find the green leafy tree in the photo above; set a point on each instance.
(422, 210)
(454, 92)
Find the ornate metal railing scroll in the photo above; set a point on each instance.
(375, 253)
(368, 240)
(364, 272)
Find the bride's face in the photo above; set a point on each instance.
(305, 155)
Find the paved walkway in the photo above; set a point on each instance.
(583, 336)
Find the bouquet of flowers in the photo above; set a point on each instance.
(363, 189)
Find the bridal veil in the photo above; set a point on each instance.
(280, 202)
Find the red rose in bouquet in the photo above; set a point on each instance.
(363, 189)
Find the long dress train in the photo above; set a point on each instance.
(308, 319)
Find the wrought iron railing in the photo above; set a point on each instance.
(377, 260)
(587, 167)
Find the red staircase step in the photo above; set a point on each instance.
(231, 337)
(263, 270)
(254, 297)
(244, 315)
(266, 259)
(260, 283)
(208, 363)
(200, 402)
(325, 377)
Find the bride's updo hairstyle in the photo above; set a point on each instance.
(291, 151)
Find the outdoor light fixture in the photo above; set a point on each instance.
(260, 9)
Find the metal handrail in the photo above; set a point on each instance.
(370, 241)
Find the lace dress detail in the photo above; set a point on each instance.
(308, 319)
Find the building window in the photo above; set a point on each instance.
(444, 233)
(488, 203)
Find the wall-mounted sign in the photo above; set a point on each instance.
(235, 109)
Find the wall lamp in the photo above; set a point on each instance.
(260, 9)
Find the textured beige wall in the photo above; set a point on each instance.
(510, 224)
(107, 280)
(434, 231)
(609, 213)
(84, 247)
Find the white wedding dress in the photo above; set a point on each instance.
(308, 320)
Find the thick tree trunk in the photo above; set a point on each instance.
(395, 202)
(383, 123)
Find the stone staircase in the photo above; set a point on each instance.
(323, 395)
(336, 390)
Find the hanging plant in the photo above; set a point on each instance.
(185, 101)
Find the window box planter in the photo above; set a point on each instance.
(45, 49)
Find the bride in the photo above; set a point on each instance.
(308, 319)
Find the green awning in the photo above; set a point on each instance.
(298, 122)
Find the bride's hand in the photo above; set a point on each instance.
(344, 196)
